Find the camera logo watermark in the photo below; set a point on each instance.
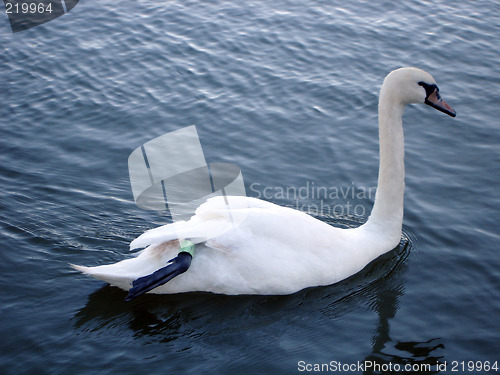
(170, 173)
(26, 14)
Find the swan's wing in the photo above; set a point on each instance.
(195, 229)
(214, 217)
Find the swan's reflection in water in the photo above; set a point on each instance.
(186, 319)
(399, 357)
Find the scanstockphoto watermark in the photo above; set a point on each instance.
(368, 366)
(344, 201)
(460, 367)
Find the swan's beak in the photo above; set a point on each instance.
(435, 100)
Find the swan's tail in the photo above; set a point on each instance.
(122, 274)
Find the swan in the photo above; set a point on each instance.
(278, 250)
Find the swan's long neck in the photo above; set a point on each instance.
(387, 212)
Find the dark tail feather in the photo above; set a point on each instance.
(176, 266)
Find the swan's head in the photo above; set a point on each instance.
(412, 85)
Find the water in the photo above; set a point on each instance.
(286, 90)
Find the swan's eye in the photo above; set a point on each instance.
(429, 89)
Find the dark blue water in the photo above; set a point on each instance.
(286, 90)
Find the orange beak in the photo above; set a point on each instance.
(435, 100)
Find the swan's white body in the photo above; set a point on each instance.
(274, 249)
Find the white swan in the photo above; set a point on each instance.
(278, 250)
